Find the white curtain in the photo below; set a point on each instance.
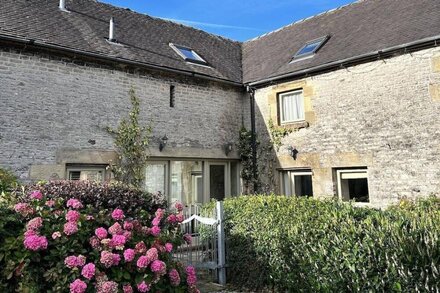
(292, 107)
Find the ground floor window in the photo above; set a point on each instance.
(193, 181)
(297, 182)
(352, 184)
(78, 172)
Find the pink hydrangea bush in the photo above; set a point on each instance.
(105, 251)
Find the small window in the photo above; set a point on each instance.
(291, 107)
(310, 48)
(297, 182)
(86, 172)
(188, 54)
(353, 185)
(172, 96)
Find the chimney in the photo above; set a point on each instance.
(63, 5)
(111, 33)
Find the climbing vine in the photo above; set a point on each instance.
(131, 142)
(246, 155)
(277, 133)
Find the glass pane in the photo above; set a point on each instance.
(358, 189)
(155, 178)
(309, 48)
(217, 181)
(286, 183)
(235, 181)
(303, 185)
(190, 54)
(92, 175)
(186, 182)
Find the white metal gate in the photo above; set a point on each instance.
(206, 251)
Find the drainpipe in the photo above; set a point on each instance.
(251, 92)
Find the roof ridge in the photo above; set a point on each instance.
(304, 19)
(165, 20)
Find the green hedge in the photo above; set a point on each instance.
(306, 245)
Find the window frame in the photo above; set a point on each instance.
(340, 172)
(280, 107)
(86, 167)
(199, 59)
(321, 40)
(291, 176)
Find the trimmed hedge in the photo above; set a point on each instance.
(100, 195)
(306, 245)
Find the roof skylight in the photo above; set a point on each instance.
(188, 54)
(310, 48)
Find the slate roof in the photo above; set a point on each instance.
(356, 29)
(146, 39)
(359, 28)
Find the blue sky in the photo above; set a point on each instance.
(235, 19)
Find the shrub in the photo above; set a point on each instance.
(68, 245)
(100, 195)
(8, 181)
(308, 245)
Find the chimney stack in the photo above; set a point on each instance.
(111, 33)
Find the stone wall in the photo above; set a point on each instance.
(383, 115)
(53, 109)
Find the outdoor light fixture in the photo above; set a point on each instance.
(227, 148)
(293, 152)
(163, 142)
(92, 141)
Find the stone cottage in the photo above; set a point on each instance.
(345, 103)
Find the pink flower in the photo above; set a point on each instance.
(118, 241)
(34, 224)
(168, 247)
(172, 219)
(156, 221)
(127, 288)
(80, 260)
(56, 235)
(72, 216)
(143, 287)
(116, 259)
(159, 213)
(127, 235)
(128, 225)
(78, 286)
(109, 287)
(30, 233)
(152, 254)
(174, 277)
(94, 242)
(179, 218)
(155, 231)
(178, 206)
(35, 242)
(70, 228)
(115, 229)
(88, 271)
(143, 262)
(187, 238)
(158, 267)
(140, 247)
(101, 233)
(70, 262)
(106, 258)
(118, 214)
(24, 209)
(50, 203)
(129, 255)
(36, 194)
(74, 203)
(191, 278)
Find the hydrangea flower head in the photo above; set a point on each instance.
(72, 216)
(143, 287)
(70, 228)
(174, 277)
(118, 214)
(74, 204)
(101, 233)
(88, 271)
(36, 194)
(78, 286)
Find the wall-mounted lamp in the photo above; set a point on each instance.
(227, 148)
(92, 141)
(293, 152)
(163, 142)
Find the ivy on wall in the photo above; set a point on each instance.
(277, 133)
(131, 142)
(246, 155)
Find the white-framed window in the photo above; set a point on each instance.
(352, 184)
(291, 106)
(297, 182)
(86, 172)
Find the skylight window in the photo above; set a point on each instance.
(188, 54)
(310, 48)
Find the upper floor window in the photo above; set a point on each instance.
(291, 106)
(188, 54)
(310, 48)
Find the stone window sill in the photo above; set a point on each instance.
(296, 125)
